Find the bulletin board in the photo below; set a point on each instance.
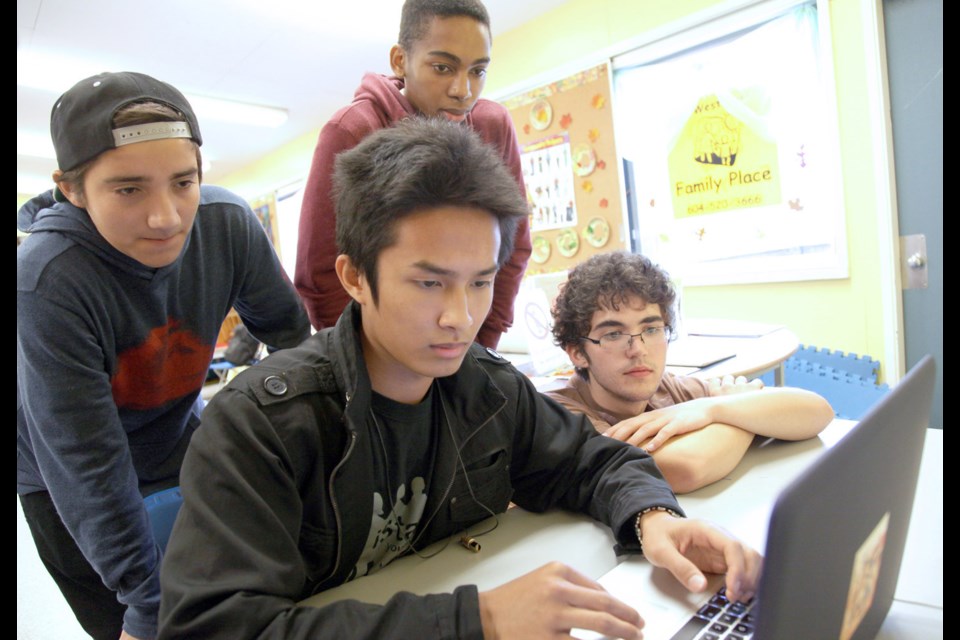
(570, 169)
(265, 208)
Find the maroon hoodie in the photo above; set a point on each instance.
(377, 104)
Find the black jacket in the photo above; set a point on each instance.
(277, 492)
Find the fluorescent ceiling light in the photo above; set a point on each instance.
(236, 112)
(52, 73)
(56, 74)
(38, 146)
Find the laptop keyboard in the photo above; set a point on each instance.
(720, 619)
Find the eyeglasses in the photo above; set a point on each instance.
(618, 340)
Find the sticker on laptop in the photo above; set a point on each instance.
(863, 581)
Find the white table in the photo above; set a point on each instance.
(740, 502)
(755, 355)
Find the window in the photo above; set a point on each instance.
(734, 149)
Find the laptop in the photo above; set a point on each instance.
(835, 538)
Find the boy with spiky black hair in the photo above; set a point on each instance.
(393, 430)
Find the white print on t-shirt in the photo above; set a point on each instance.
(391, 534)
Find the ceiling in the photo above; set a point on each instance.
(305, 56)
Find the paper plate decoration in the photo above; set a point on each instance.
(568, 243)
(597, 232)
(584, 159)
(541, 114)
(541, 250)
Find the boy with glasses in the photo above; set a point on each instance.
(614, 318)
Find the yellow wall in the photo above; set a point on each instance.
(276, 169)
(840, 314)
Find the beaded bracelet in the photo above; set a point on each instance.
(636, 524)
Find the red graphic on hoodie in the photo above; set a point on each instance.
(170, 363)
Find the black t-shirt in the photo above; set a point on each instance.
(404, 445)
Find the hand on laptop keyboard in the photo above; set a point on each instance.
(687, 548)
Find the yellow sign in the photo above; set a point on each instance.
(719, 164)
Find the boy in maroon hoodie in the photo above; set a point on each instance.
(439, 65)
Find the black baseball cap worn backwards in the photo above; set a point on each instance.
(81, 122)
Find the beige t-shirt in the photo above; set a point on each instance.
(576, 397)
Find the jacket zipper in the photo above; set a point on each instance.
(333, 498)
